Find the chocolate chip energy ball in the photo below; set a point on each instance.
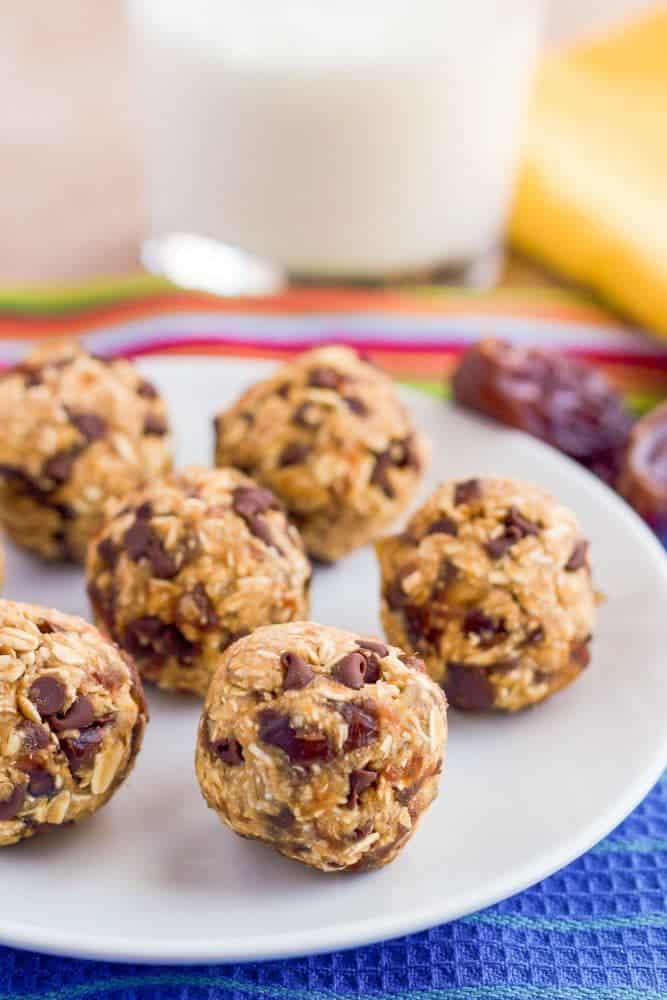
(72, 717)
(491, 585)
(324, 744)
(328, 434)
(187, 565)
(74, 430)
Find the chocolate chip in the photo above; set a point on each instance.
(422, 622)
(283, 390)
(46, 627)
(298, 673)
(443, 526)
(149, 636)
(468, 687)
(81, 750)
(356, 405)
(380, 474)
(402, 452)
(229, 751)
(488, 628)
(155, 425)
(360, 832)
(59, 466)
(578, 558)
(362, 723)
(447, 574)
(251, 500)
(276, 730)
(515, 521)
(90, 425)
(108, 552)
(147, 390)
(208, 617)
(41, 782)
(395, 595)
(80, 715)
(261, 530)
(10, 807)
(350, 671)
(283, 819)
(307, 414)
(516, 527)
(497, 547)
(374, 647)
(465, 492)
(399, 454)
(359, 781)
(137, 539)
(325, 378)
(47, 695)
(293, 454)
(141, 542)
(373, 672)
(34, 736)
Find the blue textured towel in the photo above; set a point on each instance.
(597, 929)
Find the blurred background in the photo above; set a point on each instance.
(72, 195)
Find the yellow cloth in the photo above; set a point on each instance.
(591, 200)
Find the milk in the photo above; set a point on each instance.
(335, 137)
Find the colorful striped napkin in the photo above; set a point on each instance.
(416, 333)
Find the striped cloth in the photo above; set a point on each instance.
(597, 930)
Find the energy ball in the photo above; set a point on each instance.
(328, 434)
(490, 583)
(324, 744)
(72, 717)
(74, 431)
(187, 565)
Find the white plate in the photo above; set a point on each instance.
(155, 877)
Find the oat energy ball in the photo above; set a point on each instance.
(328, 434)
(74, 430)
(324, 744)
(490, 584)
(72, 717)
(187, 565)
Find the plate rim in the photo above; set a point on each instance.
(394, 924)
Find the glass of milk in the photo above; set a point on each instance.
(349, 139)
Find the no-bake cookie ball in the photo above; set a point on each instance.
(74, 431)
(322, 743)
(328, 434)
(72, 717)
(187, 565)
(490, 583)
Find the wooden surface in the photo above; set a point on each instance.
(70, 188)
